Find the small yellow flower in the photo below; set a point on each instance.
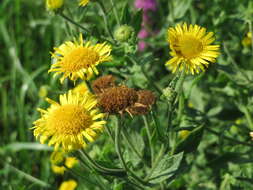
(70, 162)
(238, 121)
(247, 40)
(57, 157)
(251, 134)
(43, 91)
(190, 48)
(68, 185)
(83, 2)
(70, 123)
(58, 169)
(81, 88)
(183, 134)
(78, 59)
(54, 4)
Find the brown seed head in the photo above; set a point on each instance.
(99, 85)
(117, 99)
(146, 97)
(145, 100)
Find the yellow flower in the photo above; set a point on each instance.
(190, 48)
(68, 185)
(70, 162)
(58, 169)
(57, 157)
(83, 2)
(54, 4)
(43, 91)
(79, 59)
(80, 89)
(247, 40)
(70, 123)
(183, 134)
(251, 134)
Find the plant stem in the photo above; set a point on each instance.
(248, 117)
(74, 23)
(102, 8)
(145, 74)
(115, 12)
(229, 138)
(149, 138)
(102, 169)
(121, 158)
(157, 160)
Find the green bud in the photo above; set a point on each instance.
(124, 33)
(169, 93)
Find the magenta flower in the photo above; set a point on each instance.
(146, 5)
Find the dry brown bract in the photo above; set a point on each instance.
(117, 99)
(145, 100)
(102, 83)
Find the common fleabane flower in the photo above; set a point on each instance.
(71, 123)
(79, 59)
(191, 48)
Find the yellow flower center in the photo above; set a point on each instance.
(69, 119)
(189, 47)
(79, 58)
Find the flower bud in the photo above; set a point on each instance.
(183, 134)
(53, 5)
(123, 33)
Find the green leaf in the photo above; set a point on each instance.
(180, 8)
(191, 142)
(137, 20)
(126, 16)
(166, 168)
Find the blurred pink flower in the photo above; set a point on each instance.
(143, 33)
(146, 5)
(142, 45)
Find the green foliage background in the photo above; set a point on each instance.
(218, 98)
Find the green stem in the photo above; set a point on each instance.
(229, 138)
(115, 12)
(248, 117)
(102, 169)
(74, 23)
(235, 65)
(102, 8)
(149, 138)
(126, 137)
(157, 160)
(121, 158)
(108, 130)
(251, 30)
(146, 75)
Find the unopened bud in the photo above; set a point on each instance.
(123, 33)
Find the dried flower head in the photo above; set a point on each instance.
(117, 99)
(99, 85)
(145, 100)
